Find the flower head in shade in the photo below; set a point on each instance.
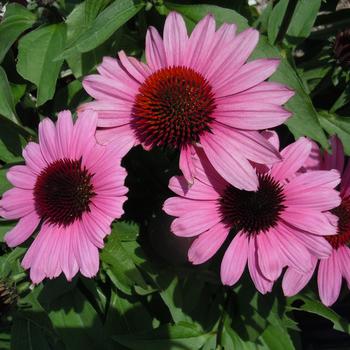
(331, 270)
(193, 90)
(73, 189)
(280, 224)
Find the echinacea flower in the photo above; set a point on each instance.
(193, 90)
(280, 224)
(331, 270)
(70, 186)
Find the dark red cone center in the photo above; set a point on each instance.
(253, 212)
(173, 108)
(63, 192)
(343, 233)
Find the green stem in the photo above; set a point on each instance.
(286, 20)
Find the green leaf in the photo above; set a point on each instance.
(335, 124)
(28, 335)
(17, 19)
(303, 20)
(126, 231)
(93, 7)
(12, 140)
(304, 121)
(105, 24)
(275, 20)
(4, 184)
(181, 336)
(122, 269)
(77, 322)
(7, 105)
(316, 307)
(4, 228)
(194, 13)
(37, 52)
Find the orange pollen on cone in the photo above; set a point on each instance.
(173, 108)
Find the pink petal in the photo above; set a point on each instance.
(329, 280)
(294, 157)
(309, 220)
(177, 206)
(198, 190)
(314, 160)
(22, 231)
(111, 206)
(343, 253)
(135, 68)
(272, 137)
(34, 158)
(294, 252)
(186, 163)
(336, 159)
(198, 220)
(251, 144)
(21, 176)
(68, 261)
(235, 259)
(232, 55)
(229, 163)
(48, 140)
(207, 244)
(155, 53)
(272, 92)
(123, 134)
(262, 284)
(102, 88)
(200, 43)
(252, 117)
(175, 39)
(294, 281)
(270, 257)
(64, 130)
(83, 134)
(93, 231)
(16, 203)
(248, 76)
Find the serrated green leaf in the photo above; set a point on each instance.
(37, 52)
(181, 336)
(338, 125)
(126, 231)
(105, 24)
(17, 19)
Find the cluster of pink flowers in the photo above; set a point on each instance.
(197, 94)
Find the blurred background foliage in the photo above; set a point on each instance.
(146, 296)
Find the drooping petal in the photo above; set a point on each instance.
(207, 244)
(329, 280)
(155, 53)
(48, 140)
(186, 163)
(231, 165)
(22, 231)
(235, 259)
(64, 129)
(294, 281)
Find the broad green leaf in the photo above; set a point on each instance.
(194, 13)
(181, 336)
(335, 124)
(77, 322)
(18, 90)
(7, 104)
(4, 184)
(342, 100)
(275, 20)
(28, 335)
(37, 52)
(276, 337)
(17, 19)
(105, 24)
(93, 8)
(302, 20)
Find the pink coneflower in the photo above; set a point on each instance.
(74, 188)
(279, 225)
(193, 90)
(331, 269)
